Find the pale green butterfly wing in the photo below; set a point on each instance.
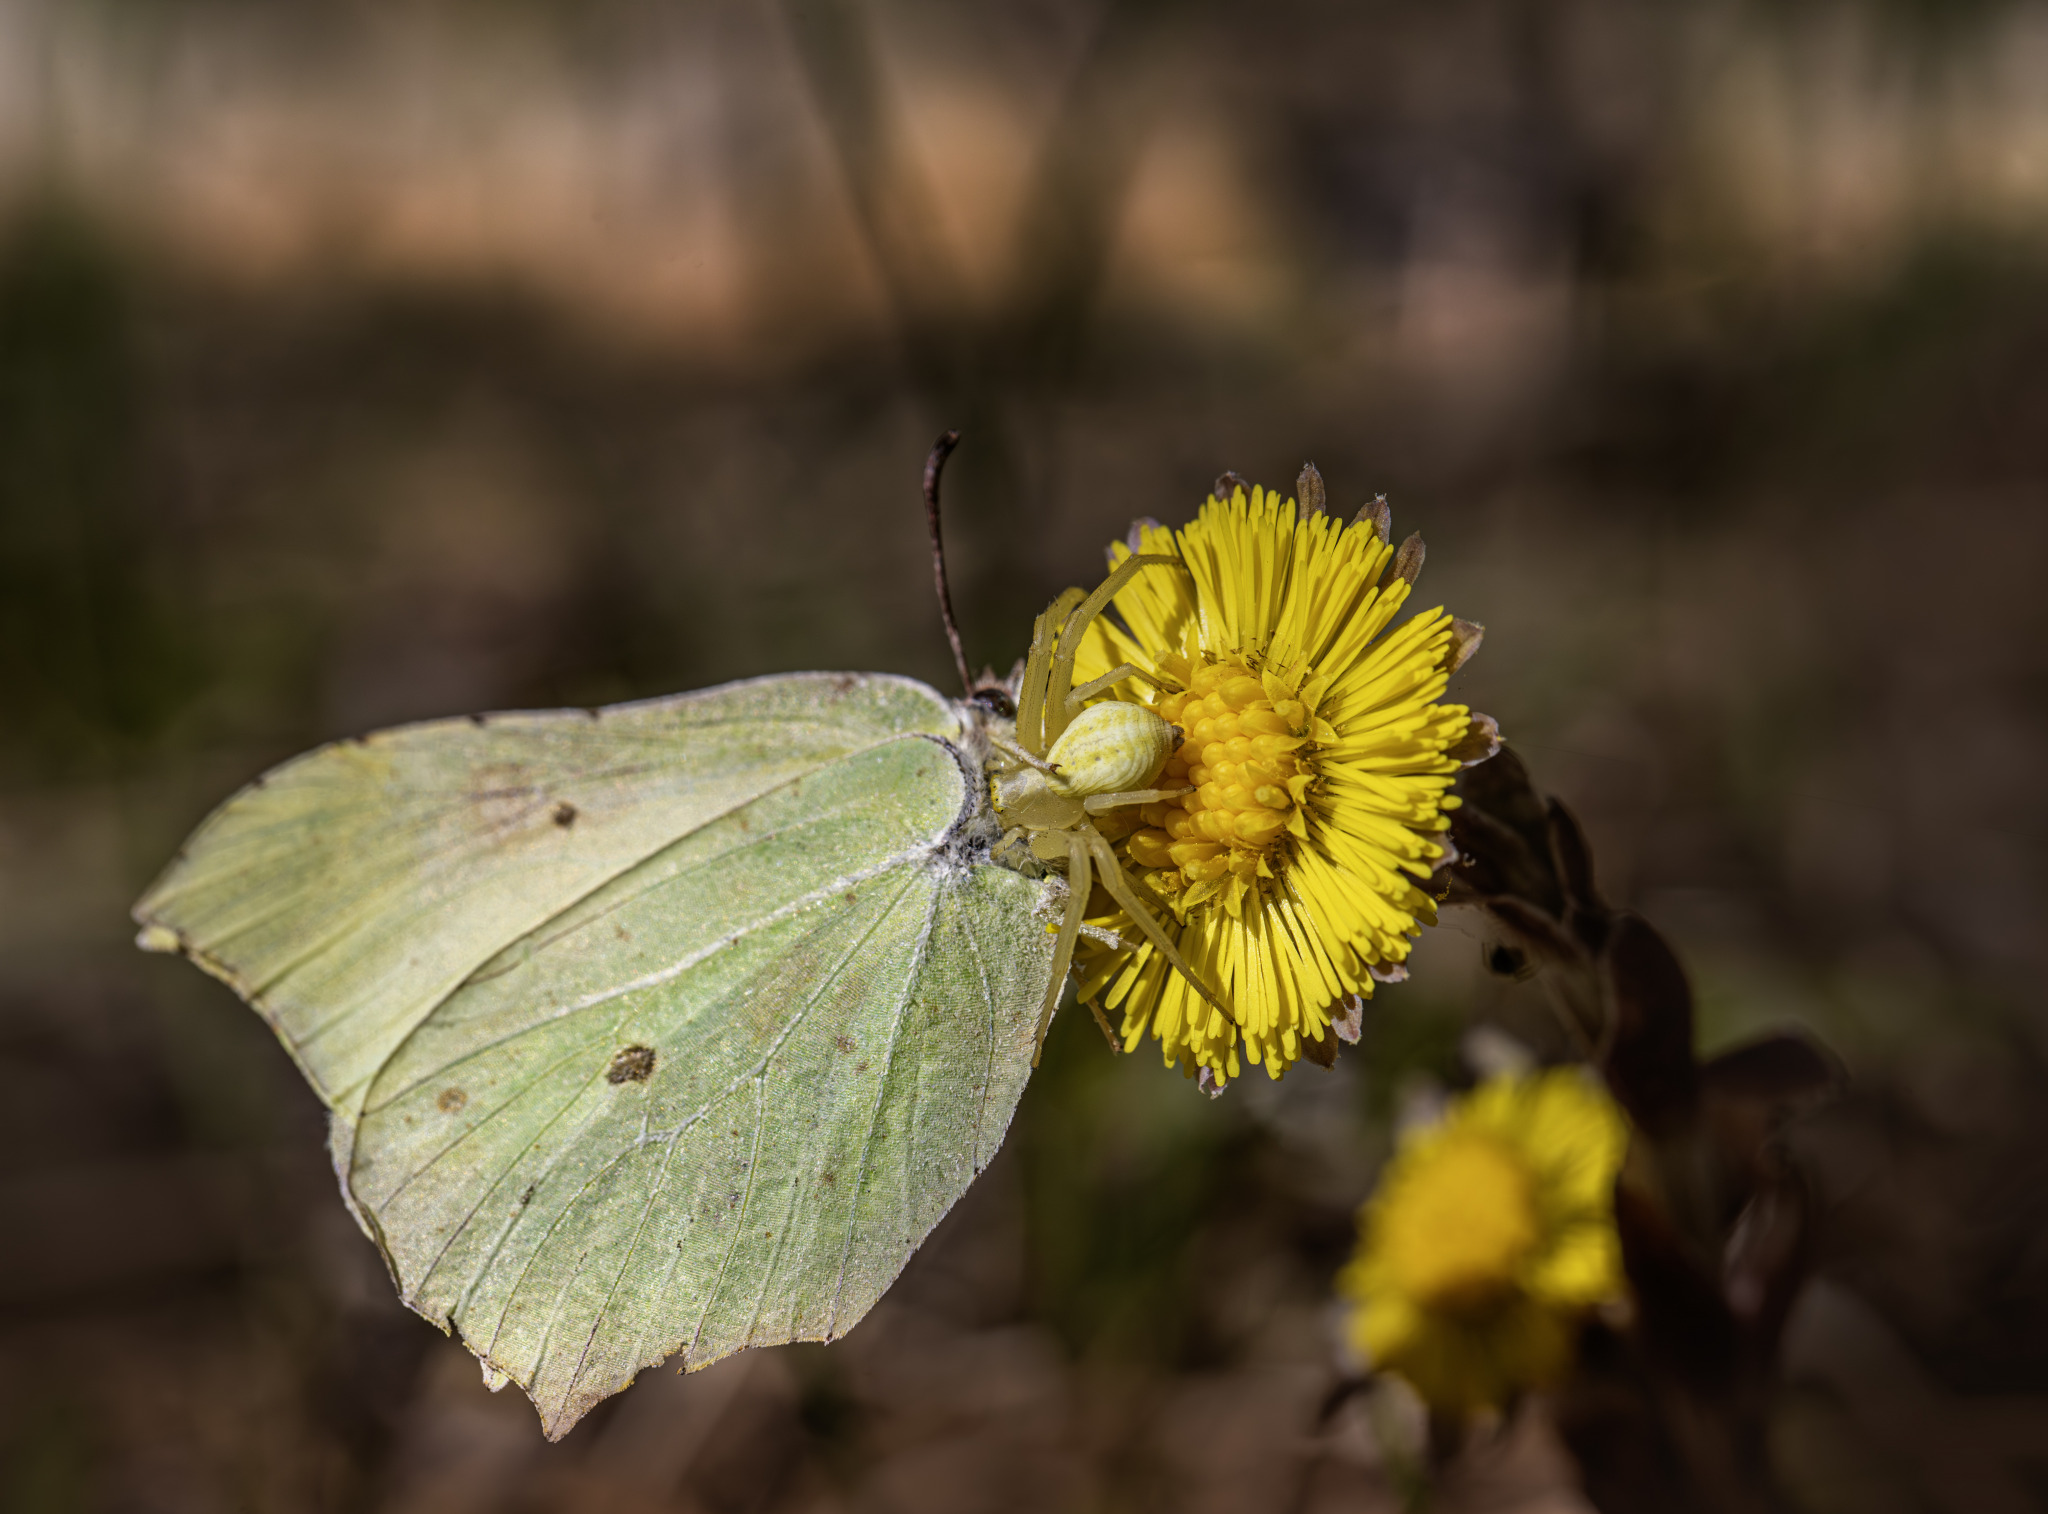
(719, 1102)
(348, 891)
(670, 1026)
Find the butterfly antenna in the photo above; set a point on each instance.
(933, 467)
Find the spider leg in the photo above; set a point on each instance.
(1114, 676)
(1037, 672)
(1120, 890)
(1095, 804)
(1078, 885)
(1060, 678)
(1010, 749)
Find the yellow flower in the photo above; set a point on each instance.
(1491, 1233)
(1318, 754)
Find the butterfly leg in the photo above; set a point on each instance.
(1007, 844)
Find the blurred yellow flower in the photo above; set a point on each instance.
(1491, 1233)
(1317, 755)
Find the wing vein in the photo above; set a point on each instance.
(739, 1224)
(774, 1261)
(656, 979)
(498, 1241)
(476, 1128)
(881, 1097)
(512, 1293)
(625, 1266)
(724, 859)
(650, 980)
(988, 1075)
(505, 1232)
(825, 981)
(672, 1137)
(540, 1353)
(574, 1200)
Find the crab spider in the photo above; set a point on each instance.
(1071, 761)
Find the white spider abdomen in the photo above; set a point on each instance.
(1111, 748)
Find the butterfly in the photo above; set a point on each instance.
(673, 1026)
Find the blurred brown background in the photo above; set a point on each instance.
(366, 362)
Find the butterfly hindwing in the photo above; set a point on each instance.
(720, 1101)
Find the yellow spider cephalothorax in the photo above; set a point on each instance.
(1070, 761)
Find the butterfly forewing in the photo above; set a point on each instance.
(721, 1100)
(347, 892)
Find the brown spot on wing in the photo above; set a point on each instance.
(565, 814)
(451, 1100)
(631, 1064)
